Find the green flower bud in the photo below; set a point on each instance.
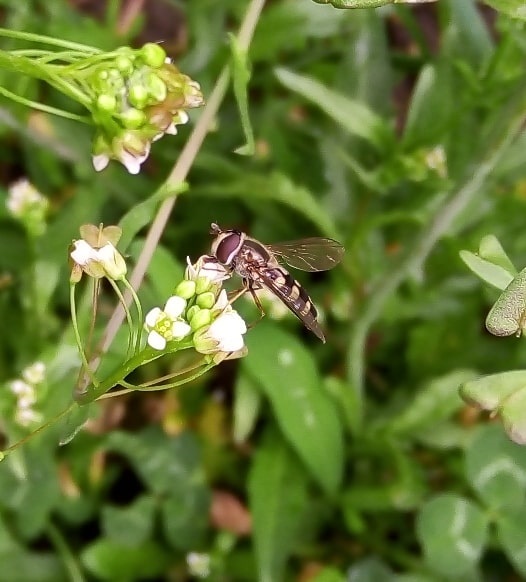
(156, 88)
(191, 311)
(206, 300)
(124, 64)
(201, 318)
(107, 103)
(133, 118)
(202, 285)
(185, 289)
(138, 96)
(153, 54)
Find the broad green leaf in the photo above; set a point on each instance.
(508, 314)
(436, 402)
(489, 392)
(159, 459)
(279, 188)
(285, 371)
(278, 499)
(73, 422)
(23, 566)
(108, 560)
(491, 250)
(513, 416)
(247, 403)
(496, 468)
(143, 213)
(240, 67)
(185, 515)
(471, 35)
(431, 107)
(512, 536)
(453, 532)
(130, 525)
(493, 274)
(352, 115)
(513, 8)
(348, 402)
(370, 570)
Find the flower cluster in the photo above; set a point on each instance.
(200, 307)
(24, 389)
(137, 98)
(28, 205)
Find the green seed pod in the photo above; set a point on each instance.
(508, 314)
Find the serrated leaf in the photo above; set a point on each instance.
(353, 116)
(453, 532)
(436, 402)
(508, 314)
(278, 498)
(285, 371)
(493, 274)
(496, 468)
(512, 536)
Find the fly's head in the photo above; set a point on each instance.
(226, 245)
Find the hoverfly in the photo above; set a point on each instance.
(258, 265)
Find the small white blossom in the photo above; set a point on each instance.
(27, 416)
(97, 263)
(34, 374)
(23, 196)
(198, 564)
(166, 325)
(228, 330)
(207, 267)
(20, 388)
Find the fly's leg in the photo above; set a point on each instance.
(251, 288)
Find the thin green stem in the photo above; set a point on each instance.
(42, 107)
(138, 306)
(68, 558)
(420, 250)
(205, 369)
(78, 339)
(128, 316)
(40, 38)
(183, 165)
(173, 375)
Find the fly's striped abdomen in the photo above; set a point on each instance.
(294, 296)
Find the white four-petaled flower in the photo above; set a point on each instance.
(97, 263)
(166, 325)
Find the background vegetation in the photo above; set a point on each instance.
(396, 131)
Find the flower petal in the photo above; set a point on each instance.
(175, 306)
(152, 316)
(100, 161)
(83, 253)
(156, 341)
(180, 329)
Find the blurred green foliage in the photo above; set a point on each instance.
(397, 131)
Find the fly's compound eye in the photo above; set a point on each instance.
(227, 247)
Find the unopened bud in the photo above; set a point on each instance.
(153, 55)
(206, 300)
(185, 289)
(201, 318)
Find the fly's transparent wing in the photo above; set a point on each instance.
(309, 254)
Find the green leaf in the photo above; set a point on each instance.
(31, 567)
(111, 561)
(329, 575)
(496, 468)
(512, 536)
(240, 77)
(185, 515)
(247, 404)
(489, 392)
(275, 187)
(130, 525)
(351, 115)
(493, 274)
(513, 415)
(507, 316)
(278, 498)
(159, 459)
(285, 371)
(513, 8)
(453, 532)
(436, 402)
(491, 250)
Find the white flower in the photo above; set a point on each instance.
(97, 263)
(166, 325)
(27, 416)
(23, 196)
(228, 330)
(21, 388)
(206, 267)
(35, 374)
